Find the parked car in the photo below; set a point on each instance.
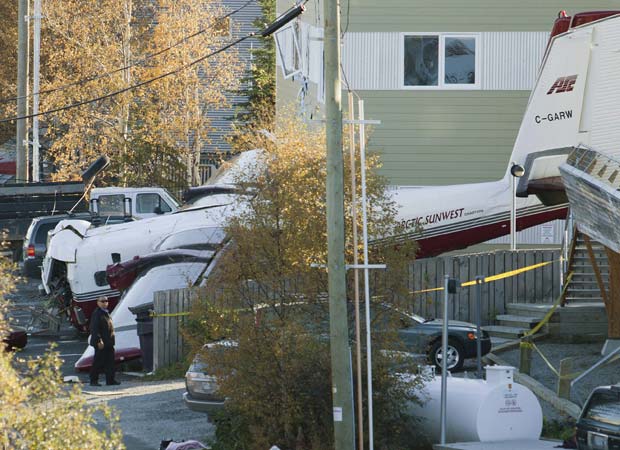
(16, 339)
(598, 426)
(35, 241)
(201, 386)
(418, 335)
(145, 201)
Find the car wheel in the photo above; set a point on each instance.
(455, 354)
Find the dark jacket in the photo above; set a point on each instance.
(101, 328)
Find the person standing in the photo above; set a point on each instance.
(102, 339)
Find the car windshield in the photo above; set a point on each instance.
(604, 406)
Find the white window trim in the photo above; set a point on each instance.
(296, 58)
(441, 60)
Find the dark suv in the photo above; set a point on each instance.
(598, 427)
(35, 241)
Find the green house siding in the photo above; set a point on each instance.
(455, 15)
(432, 137)
(444, 137)
(437, 137)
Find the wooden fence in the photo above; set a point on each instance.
(541, 285)
(168, 343)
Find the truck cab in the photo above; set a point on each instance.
(143, 202)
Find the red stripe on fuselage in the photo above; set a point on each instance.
(457, 240)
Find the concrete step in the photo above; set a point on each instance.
(515, 320)
(505, 332)
(598, 251)
(586, 258)
(583, 299)
(587, 269)
(497, 341)
(528, 309)
(583, 291)
(582, 247)
(582, 284)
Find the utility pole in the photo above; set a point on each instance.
(339, 336)
(35, 88)
(21, 161)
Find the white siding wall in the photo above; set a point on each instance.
(605, 75)
(372, 61)
(510, 61)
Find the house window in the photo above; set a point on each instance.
(440, 61)
(288, 50)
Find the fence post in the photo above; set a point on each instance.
(566, 367)
(157, 331)
(525, 355)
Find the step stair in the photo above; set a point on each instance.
(516, 320)
(519, 319)
(505, 332)
(497, 341)
(533, 310)
(583, 287)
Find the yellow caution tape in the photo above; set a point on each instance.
(510, 273)
(557, 374)
(526, 344)
(540, 324)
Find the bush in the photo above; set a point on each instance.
(266, 296)
(36, 410)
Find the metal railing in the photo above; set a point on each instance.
(595, 164)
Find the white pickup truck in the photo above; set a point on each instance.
(140, 203)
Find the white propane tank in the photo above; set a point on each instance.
(497, 409)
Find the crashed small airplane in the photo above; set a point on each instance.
(74, 267)
(558, 118)
(557, 113)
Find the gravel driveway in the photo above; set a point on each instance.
(150, 412)
(584, 356)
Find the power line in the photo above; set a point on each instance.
(282, 20)
(129, 66)
(133, 86)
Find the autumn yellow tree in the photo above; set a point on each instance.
(8, 71)
(268, 294)
(36, 410)
(117, 44)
